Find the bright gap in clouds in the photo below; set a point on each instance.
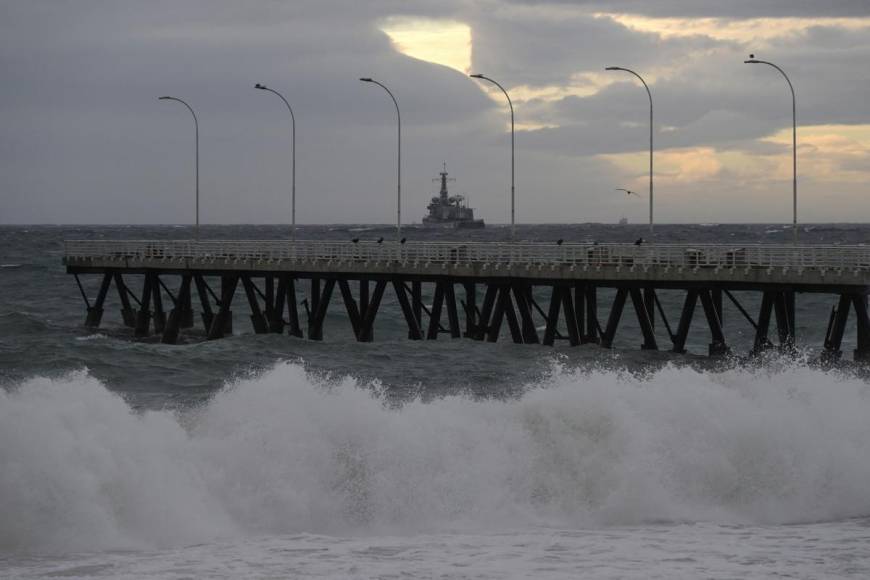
(748, 30)
(444, 42)
(828, 155)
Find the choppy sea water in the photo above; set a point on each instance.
(270, 456)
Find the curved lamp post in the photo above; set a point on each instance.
(753, 60)
(399, 170)
(511, 105)
(293, 163)
(196, 127)
(650, 139)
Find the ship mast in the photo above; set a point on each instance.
(443, 192)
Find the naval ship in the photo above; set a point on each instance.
(450, 210)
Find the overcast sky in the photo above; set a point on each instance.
(83, 138)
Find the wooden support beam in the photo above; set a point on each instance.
(580, 307)
(470, 305)
(741, 309)
(275, 316)
(838, 328)
(202, 291)
(553, 316)
(664, 318)
(143, 317)
(351, 307)
(414, 332)
(718, 304)
(293, 326)
(452, 314)
(435, 316)
(486, 312)
(174, 322)
(613, 319)
(717, 345)
(128, 315)
(543, 315)
(783, 320)
(592, 333)
(313, 298)
(649, 300)
(570, 316)
(641, 302)
(862, 352)
(258, 321)
(417, 301)
(159, 316)
(95, 311)
(368, 319)
(511, 314)
(363, 295)
(318, 314)
(761, 341)
(682, 334)
(221, 324)
(185, 302)
(494, 326)
(523, 296)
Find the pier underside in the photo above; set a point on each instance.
(163, 302)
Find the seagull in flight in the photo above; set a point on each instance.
(628, 191)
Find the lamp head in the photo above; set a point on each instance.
(259, 86)
(614, 68)
(366, 80)
(163, 98)
(477, 76)
(752, 60)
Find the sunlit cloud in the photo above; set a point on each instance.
(827, 154)
(747, 31)
(444, 42)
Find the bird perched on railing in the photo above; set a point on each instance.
(403, 240)
(559, 242)
(381, 240)
(355, 240)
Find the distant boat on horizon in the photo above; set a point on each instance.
(448, 211)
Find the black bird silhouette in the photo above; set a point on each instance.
(355, 240)
(559, 242)
(403, 240)
(381, 239)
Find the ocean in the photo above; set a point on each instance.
(268, 456)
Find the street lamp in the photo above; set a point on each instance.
(753, 60)
(196, 127)
(399, 170)
(293, 170)
(511, 105)
(650, 139)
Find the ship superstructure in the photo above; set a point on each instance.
(447, 210)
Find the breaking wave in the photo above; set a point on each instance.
(285, 453)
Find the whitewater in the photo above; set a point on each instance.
(299, 475)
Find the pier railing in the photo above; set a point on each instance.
(489, 254)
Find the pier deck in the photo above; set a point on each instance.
(507, 273)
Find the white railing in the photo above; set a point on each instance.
(693, 256)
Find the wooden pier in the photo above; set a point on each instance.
(477, 288)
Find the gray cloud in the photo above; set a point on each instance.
(85, 140)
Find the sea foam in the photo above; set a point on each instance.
(285, 453)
